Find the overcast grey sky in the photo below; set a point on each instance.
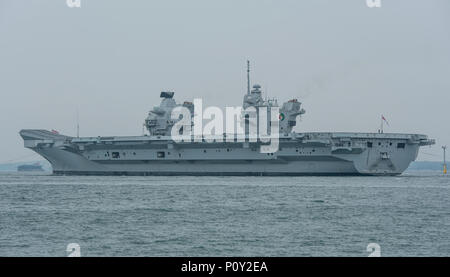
(109, 59)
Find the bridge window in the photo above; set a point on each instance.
(401, 145)
(161, 154)
(369, 144)
(115, 155)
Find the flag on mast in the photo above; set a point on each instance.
(384, 119)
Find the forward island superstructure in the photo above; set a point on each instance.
(158, 153)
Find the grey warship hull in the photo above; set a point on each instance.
(244, 152)
(298, 154)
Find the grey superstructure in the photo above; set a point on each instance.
(315, 153)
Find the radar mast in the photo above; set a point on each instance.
(248, 77)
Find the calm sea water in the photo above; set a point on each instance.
(407, 215)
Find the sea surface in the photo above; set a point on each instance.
(41, 214)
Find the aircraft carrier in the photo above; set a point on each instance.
(158, 153)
